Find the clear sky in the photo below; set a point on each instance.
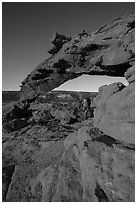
(28, 27)
(89, 83)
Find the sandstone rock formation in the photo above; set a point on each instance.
(63, 115)
(49, 158)
(115, 112)
(17, 116)
(41, 165)
(130, 75)
(108, 51)
(115, 108)
(58, 41)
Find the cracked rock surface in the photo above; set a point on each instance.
(82, 164)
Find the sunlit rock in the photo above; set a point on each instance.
(115, 113)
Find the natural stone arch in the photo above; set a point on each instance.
(108, 51)
(97, 168)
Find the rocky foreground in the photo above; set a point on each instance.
(53, 153)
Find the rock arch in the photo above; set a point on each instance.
(108, 51)
(89, 83)
(81, 167)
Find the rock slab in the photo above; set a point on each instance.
(87, 166)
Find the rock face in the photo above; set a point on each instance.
(41, 165)
(115, 108)
(115, 111)
(52, 154)
(108, 51)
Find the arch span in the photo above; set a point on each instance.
(108, 51)
(89, 83)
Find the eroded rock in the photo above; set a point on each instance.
(130, 75)
(83, 167)
(107, 51)
(75, 162)
(17, 116)
(58, 41)
(115, 112)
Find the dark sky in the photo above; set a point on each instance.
(28, 27)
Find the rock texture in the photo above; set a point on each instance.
(16, 116)
(108, 51)
(42, 164)
(115, 108)
(115, 111)
(52, 154)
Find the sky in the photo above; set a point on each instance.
(28, 27)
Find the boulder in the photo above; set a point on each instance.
(63, 115)
(115, 112)
(87, 166)
(16, 116)
(18, 110)
(105, 92)
(15, 124)
(58, 41)
(41, 116)
(130, 75)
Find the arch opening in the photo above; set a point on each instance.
(89, 83)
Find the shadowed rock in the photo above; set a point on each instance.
(16, 117)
